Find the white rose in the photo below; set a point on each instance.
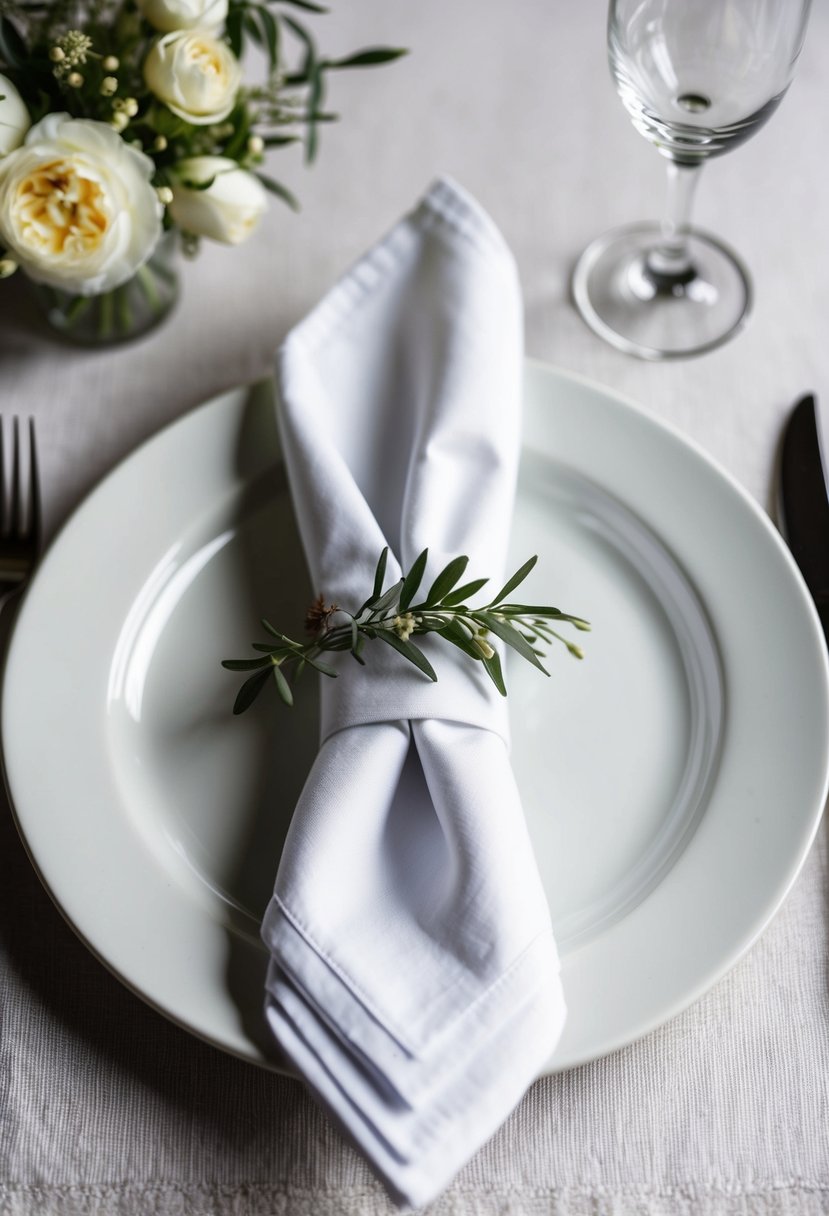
(194, 74)
(77, 210)
(166, 15)
(228, 210)
(14, 117)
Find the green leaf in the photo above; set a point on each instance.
(278, 189)
(308, 42)
(279, 141)
(369, 58)
(249, 691)
(306, 4)
(269, 627)
(512, 583)
(493, 670)
(387, 598)
(539, 610)
(252, 28)
(315, 96)
(264, 646)
(12, 47)
(446, 580)
(245, 664)
(464, 593)
(271, 32)
(282, 686)
(510, 635)
(380, 573)
(458, 637)
(412, 580)
(409, 651)
(318, 666)
(233, 27)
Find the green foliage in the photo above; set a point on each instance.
(392, 616)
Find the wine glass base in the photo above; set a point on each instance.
(657, 318)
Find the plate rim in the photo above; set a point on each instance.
(534, 367)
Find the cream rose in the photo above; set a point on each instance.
(14, 117)
(194, 74)
(77, 210)
(167, 15)
(227, 210)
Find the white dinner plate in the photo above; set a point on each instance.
(673, 781)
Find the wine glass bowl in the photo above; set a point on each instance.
(697, 78)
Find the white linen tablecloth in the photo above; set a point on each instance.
(107, 1108)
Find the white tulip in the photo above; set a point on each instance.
(14, 117)
(227, 210)
(167, 15)
(77, 209)
(194, 74)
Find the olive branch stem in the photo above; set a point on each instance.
(391, 615)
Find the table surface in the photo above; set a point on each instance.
(109, 1108)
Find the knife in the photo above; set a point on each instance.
(804, 501)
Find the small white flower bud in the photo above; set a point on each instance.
(256, 145)
(57, 54)
(165, 195)
(119, 121)
(111, 63)
(75, 80)
(160, 143)
(109, 85)
(7, 267)
(130, 107)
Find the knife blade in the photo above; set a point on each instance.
(805, 501)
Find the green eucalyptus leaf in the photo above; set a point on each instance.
(250, 690)
(513, 582)
(413, 580)
(409, 651)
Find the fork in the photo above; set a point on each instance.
(20, 519)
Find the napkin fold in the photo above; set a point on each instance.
(413, 978)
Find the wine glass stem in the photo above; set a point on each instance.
(669, 264)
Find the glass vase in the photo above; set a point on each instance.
(120, 315)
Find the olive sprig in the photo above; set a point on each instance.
(392, 615)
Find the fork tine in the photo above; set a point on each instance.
(16, 515)
(34, 486)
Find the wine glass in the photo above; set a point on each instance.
(697, 77)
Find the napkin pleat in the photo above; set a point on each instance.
(413, 978)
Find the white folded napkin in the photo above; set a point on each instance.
(414, 979)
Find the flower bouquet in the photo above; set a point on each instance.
(126, 129)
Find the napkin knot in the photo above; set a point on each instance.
(390, 689)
